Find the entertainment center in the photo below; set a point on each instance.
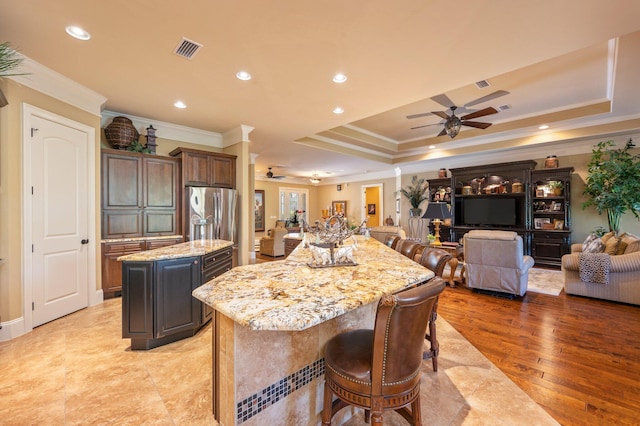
(513, 196)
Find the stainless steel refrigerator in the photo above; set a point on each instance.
(212, 213)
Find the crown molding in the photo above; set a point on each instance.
(44, 80)
(168, 130)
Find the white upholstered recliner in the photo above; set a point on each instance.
(273, 244)
(495, 261)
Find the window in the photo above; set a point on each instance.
(291, 200)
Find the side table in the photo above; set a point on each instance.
(458, 256)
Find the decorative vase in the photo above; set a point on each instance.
(415, 224)
(415, 212)
(551, 162)
(121, 133)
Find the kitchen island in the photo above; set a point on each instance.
(157, 305)
(273, 319)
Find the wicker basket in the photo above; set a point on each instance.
(121, 133)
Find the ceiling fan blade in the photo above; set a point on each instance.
(426, 125)
(440, 114)
(443, 100)
(476, 124)
(424, 114)
(481, 113)
(442, 133)
(488, 97)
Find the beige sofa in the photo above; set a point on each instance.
(624, 277)
(495, 261)
(381, 233)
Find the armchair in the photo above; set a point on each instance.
(495, 261)
(273, 243)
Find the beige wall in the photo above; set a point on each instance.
(271, 202)
(11, 214)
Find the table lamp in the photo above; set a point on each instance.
(437, 212)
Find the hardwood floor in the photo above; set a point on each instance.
(578, 358)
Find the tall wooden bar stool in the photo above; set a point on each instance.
(434, 259)
(379, 369)
(408, 247)
(392, 241)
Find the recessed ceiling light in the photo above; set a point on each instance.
(179, 104)
(432, 146)
(338, 110)
(339, 78)
(77, 32)
(243, 75)
(543, 127)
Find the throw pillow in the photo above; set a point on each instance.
(606, 237)
(622, 246)
(633, 243)
(611, 245)
(592, 244)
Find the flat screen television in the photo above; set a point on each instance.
(489, 211)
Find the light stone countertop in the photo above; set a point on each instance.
(132, 239)
(290, 295)
(177, 251)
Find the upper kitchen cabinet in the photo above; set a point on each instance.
(139, 194)
(204, 168)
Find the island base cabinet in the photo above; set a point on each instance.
(157, 305)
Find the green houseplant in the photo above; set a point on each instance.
(613, 182)
(9, 60)
(416, 192)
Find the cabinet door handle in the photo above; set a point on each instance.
(85, 241)
(195, 262)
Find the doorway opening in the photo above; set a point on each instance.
(372, 204)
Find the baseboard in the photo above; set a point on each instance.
(97, 298)
(12, 329)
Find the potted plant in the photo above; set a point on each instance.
(613, 182)
(417, 192)
(556, 186)
(9, 60)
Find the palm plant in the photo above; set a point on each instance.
(9, 60)
(613, 182)
(417, 192)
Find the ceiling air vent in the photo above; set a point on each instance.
(482, 84)
(504, 107)
(187, 48)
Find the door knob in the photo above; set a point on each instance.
(85, 241)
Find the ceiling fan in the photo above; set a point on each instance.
(453, 123)
(270, 175)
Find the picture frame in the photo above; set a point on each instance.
(540, 191)
(339, 207)
(538, 222)
(259, 209)
(558, 224)
(371, 209)
(556, 207)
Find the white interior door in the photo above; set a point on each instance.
(60, 234)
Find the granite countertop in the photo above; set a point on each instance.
(132, 239)
(290, 295)
(176, 251)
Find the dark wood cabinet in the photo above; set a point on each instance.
(204, 168)
(493, 196)
(157, 304)
(440, 191)
(551, 212)
(112, 268)
(140, 195)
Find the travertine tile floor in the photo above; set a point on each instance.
(78, 371)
